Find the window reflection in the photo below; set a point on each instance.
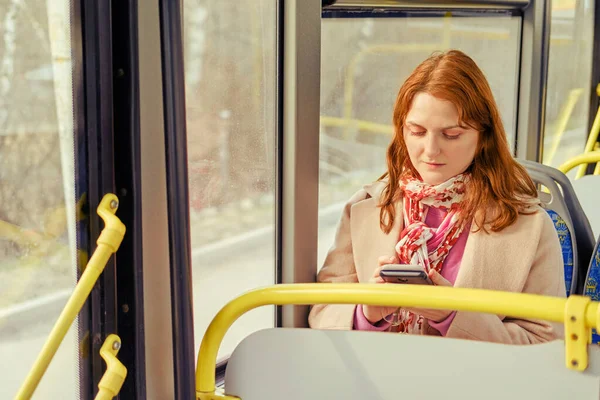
(363, 63)
(37, 192)
(230, 94)
(567, 101)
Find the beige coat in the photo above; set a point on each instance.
(525, 257)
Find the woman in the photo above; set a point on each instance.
(454, 201)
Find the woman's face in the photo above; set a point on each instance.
(437, 146)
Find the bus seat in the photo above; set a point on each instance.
(581, 230)
(568, 250)
(591, 283)
(299, 364)
(588, 191)
(556, 207)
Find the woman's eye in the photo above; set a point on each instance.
(453, 136)
(417, 133)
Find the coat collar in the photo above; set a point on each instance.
(369, 241)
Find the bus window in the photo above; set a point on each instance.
(568, 97)
(230, 66)
(363, 64)
(38, 237)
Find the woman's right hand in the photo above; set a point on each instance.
(376, 313)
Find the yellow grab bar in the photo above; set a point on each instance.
(561, 122)
(592, 138)
(585, 158)
(115, 373)
(522, 305)
(109, 241)
(371, 127)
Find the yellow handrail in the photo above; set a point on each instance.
(592, 138)
(585, 158)
(476, 300)
(115, 373)
(387, 48)
(561, 124)
(109, 241)
(19, 235)
(365, 125)
(32, 238)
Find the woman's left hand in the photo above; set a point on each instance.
(431, 314)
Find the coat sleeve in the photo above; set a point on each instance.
(546, 277)
(338, 267)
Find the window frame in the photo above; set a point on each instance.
(298, 179)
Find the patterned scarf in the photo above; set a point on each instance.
(412, 247)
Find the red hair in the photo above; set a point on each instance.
(499, 188)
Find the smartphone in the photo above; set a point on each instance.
(405, 273)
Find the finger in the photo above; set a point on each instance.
(383, 260)
(414, 310)
(377, 271)
(438, 279)
(376, 278)
(426, 313)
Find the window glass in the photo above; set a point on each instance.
(364, 61)
(567, 101)
(37, 193)
(230, 61)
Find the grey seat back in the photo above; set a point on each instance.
(556, 207)
(582, 230)
(300, 364)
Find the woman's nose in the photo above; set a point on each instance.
(432, 145)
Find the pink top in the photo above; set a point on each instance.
(449, 271)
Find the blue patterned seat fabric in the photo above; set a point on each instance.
(566, 243)
(591, 284)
